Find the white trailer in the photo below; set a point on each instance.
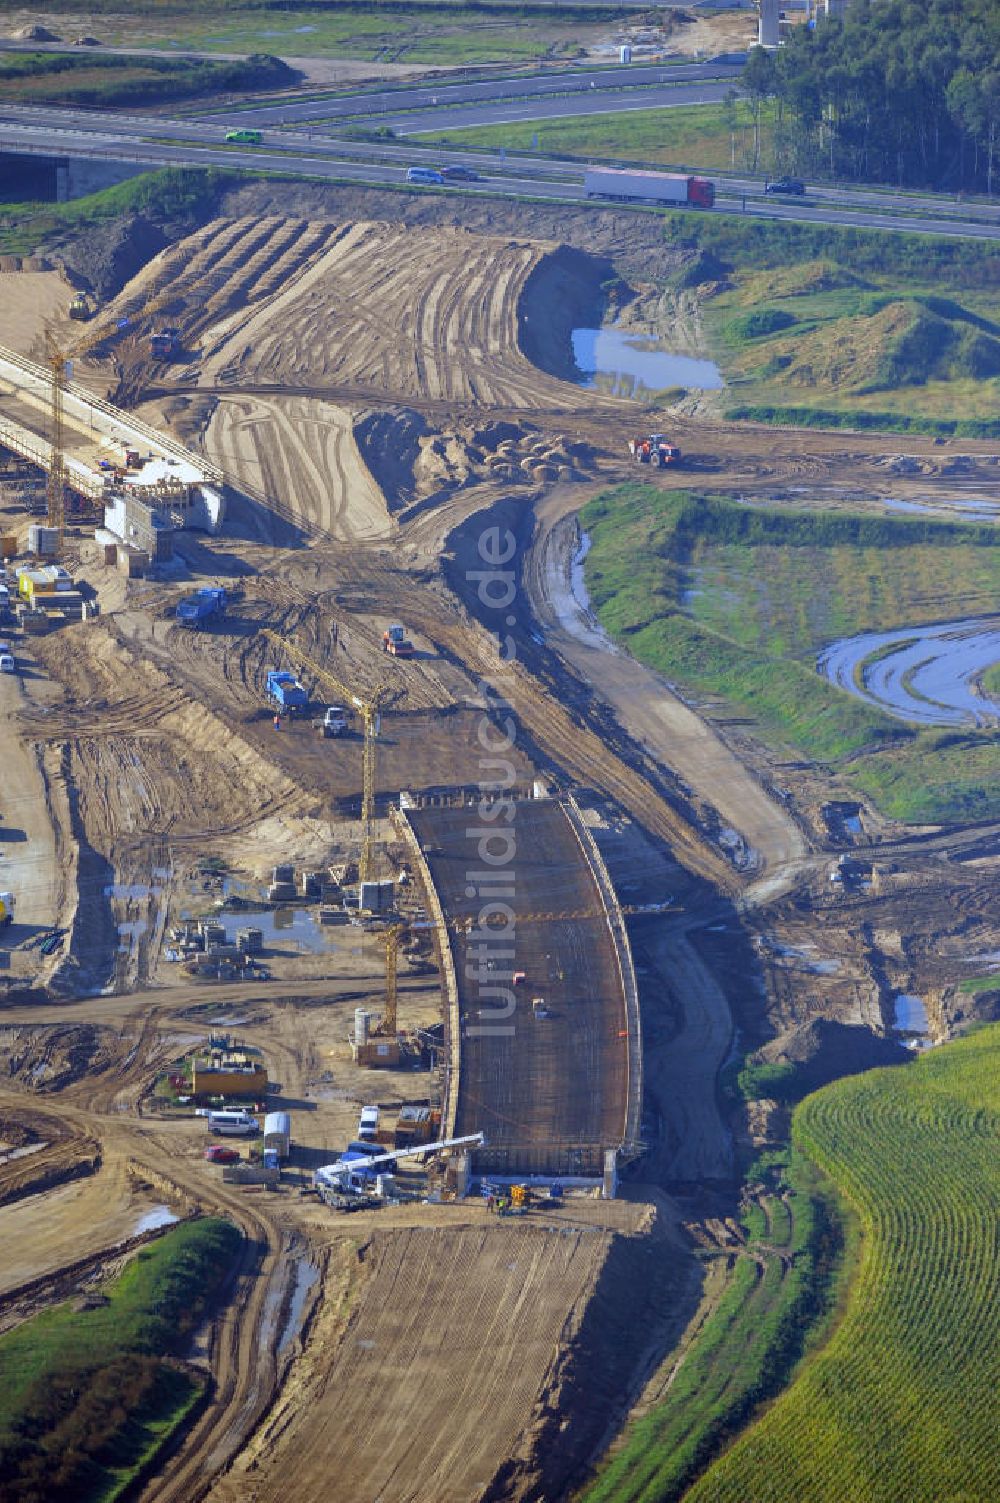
(278, 1134)
(648, 187)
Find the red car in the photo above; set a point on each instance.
(220, 1154)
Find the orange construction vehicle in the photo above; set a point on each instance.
(395, 641)
(656, 449)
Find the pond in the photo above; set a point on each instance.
(922, 674)
(625, 364)
(151, 1220)
(910, 1014)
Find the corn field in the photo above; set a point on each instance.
(902, 1403)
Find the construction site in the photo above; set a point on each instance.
(329, 796)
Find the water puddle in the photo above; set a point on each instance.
(306, 1275)
(626, 365)
(286, 929)
(971, 508)
(921, 674)
(150, 1220)
(21, 1153)
(572, 606)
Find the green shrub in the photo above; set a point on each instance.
(758, 323)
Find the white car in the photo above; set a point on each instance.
(7, 664)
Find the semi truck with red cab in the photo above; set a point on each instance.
(649, 187)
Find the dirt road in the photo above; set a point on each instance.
(646, 707)
(34, 863)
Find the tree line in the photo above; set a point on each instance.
(897, 91)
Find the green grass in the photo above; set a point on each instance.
(770, 246)
(990, 681)
(97, 80)
(938, 777)
(88, 1395)
(388, 33)
(772, 1309)
(973, 984)
(692, 135)
(901, 1402)
(848, 328)
(722, 600)
(183, 196)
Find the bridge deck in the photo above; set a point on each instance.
(548, 1091)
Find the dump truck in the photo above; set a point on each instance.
(649, 187)
(196, 609)
(394, 641)
(654, 449)
(285, 691)
(163, 343)
(6, 908)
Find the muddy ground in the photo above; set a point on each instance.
(381, 393)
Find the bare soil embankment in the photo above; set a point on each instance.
(476, 1362)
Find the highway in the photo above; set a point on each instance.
(159, 141)
(657, 97)
(569, 81)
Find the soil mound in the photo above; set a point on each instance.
(390, 445)
(109, 255)
(36, 34)
(562, 293)
(822, 1050)
(402, 312)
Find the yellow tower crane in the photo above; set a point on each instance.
(369, 708)
(393, 935)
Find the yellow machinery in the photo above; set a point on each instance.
(370, 711)
(392, 936)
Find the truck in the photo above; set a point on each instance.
(285, 691)
(654, 449)
(6, 909)
(163, 343)
(394, 641)
(649, 187)
(278, 1134)
(334, 722)
(80, 308)
(196, 609)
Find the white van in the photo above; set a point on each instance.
(233, 1124)
(7, 664)
(368, 1124)
(423, 175)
